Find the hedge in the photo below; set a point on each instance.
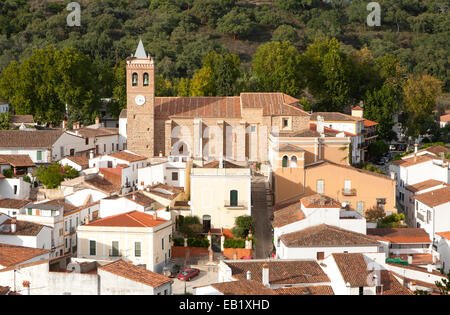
(192, 242)
(234, 243)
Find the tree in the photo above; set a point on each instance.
(374, 214)
(420, 93)
(5, 119)
(444, 284)
(285, 33)
(236, 22)
(277, 68)
(52, 175)
(243, 224)
(377, 149)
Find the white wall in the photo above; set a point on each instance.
(443, 248)
(311, 252)
(32, 152)
(43, 240)
(7, 188)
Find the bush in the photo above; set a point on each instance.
(191, 220)
(27, 179)
(234, 243)
(178, 241)
(243, 225)
(391, 221)
(9, 173)
(198, 242)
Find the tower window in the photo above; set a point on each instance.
(145, 79)
(135, 79)
(285, 161)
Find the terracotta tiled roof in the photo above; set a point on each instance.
(17, 160)
(129, 271)
(445, 118)
(306, 133)
(22, 119)
(194, 107)
(413, 161)
(8, 203)
(424, 185)
(437, 149)
(325, 236)
(329, 132)
(242, 287)
(400, 235)
(312, 290)
(11, 255)
(102, 184)
(4, 290)
(357, 108)
(129, 219)
(420, 269)
(334, 116)
(353, 268)
(320, 201)
(273, 104)
(128, 156)
(29, 139)
(391, 286)
(93, 133)
(159, 190)
(445, 235)
(79, 160)
(280, 271)
(287, 213)
(435, 197)
(62, 203)
(140, 198)
(369, 123)
(23, 228)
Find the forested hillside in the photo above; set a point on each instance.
(223, 47)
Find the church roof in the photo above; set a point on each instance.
(140, 51)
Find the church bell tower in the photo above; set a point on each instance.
(140, 102)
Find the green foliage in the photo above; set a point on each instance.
(243, 224)
(285, 33)
(179, 241)
(374, 214)
(198, 242)
(5, 119)
(236, 22)
(234, 243)
(377, 149)
(191, 220)
(277, 68)
(444, 284)
(27, 179)
(391, 221)
(8, 173)
(371, 168)
(52, 175)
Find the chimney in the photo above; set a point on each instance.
(134, 196)
(155, 215)
(97, 120)
(13, 226)
(26, 284)
(410, 259)
(320, 125)
(392, 175)
(91, 154)
(265, 275)
(249, 275)
(160, 154)
(86, 219)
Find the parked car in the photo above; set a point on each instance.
(188, 273)
(171, 270)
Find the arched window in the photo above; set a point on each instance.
(145, 79)
(294, 161)
(285, 162)
(233, 198)
(135, 79)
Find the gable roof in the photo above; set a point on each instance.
(102, 184)
(82, 161)
(242, 287)
(129, 271)
(280, 271)
(411, 161)
(128, 156)
(23, 228)
(400, 235)
(353, 268)
(86, 132)
(22, 119)
(391, 286)
(165, 191)
(129, 219)
(11, 255)
(369, 123)
(8, 203)
(273, 104)
(17, 160)
(435, 197)
(329, 132)
(445, 118)
(29, 138)
(289, 148)
(140, 198)
(424, 185)
(287, 213)
(311, 290)
(326, 236)
(445, 235)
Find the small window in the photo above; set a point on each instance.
(87, 141)
(92, 248)
(320, 255)
(285, 162)
(30, 211)
(233, 198)
(15, 189)
(175, 176)
(145, 79)
(39, 155)
(361, 290)
(294, 161)
(285, 122)
(137, 249)
(162, 243)
(320, 186)
(135, 79)
(360, 207)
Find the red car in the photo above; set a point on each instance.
(188, 273)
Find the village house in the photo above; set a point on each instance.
(138, 201)
(23, 233)
(71, 276)
(13, 255)
(443, 248)
(79, 163)
(22, 121)
(141, 238)
(12, 207)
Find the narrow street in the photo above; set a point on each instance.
(261, 211)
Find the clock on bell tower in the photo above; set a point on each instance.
(140, 102)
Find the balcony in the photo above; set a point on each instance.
(348, 192)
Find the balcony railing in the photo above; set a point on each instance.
(348, 192)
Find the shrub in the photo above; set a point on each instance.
(243, 225)
(191, 220)
(234, 243)
(9, 173)
(391, 221)
(179, 241)
(198, 242)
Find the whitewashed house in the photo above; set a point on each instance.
(443, 248)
